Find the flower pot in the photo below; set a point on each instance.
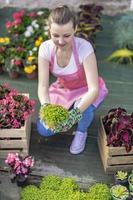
(21, 180)
(14, 75)
(130, 183)
(121, 182)
(32, 75)
(119, 192)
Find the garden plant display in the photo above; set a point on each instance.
(54, 187)
(27, 29)
(123, 40)
(118, 125)
(15, 108)
(19, 167)
(121, 177)
(119, 192)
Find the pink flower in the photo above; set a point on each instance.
(9, 24)
(17, 21)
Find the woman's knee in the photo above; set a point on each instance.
(42, 130)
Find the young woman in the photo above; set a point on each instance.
(72, 60)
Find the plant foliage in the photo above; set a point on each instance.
(118, 125)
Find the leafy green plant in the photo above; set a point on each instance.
(51, 182)
(119, 191)
(99, 191)
(123, 31)
(30, 192)
(121, 175)
(53, 115)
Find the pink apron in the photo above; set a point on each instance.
(69, 88)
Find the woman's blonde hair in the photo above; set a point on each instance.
(62, 15)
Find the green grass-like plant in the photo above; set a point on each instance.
(53, 115)
(123, 31)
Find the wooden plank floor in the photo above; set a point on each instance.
(52, 154)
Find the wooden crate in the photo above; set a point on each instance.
(113, 158)
(15, 140)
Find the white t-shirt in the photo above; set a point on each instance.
(84, 48)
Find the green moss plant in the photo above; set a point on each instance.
(53, 115)
(99, 191)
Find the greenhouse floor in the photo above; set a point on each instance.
(52, 154)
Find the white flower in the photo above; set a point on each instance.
(34, 22)
(36, 26)
(40, 13)
(30, 53)
(27, 33)
(30, 28)
(35, 49)
(46, 33)
(46, 28)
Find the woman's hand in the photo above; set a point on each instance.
(74, 117)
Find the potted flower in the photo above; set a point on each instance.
(15, 108)
(20, 167)
(119, 192)
(4, 42)
(121, 178)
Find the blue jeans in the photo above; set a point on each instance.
(84, 123)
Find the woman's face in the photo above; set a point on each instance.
(62, 35)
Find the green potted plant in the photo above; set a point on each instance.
(121, 178)
(130, 181)
(119, 192)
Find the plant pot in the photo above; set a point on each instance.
(32, 75)
(113, 193)
(130, 184)
(14, 75)
(21, 180)
(123, 182)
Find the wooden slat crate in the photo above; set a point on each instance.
(113, 158)
(15, 140)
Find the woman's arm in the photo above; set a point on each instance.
(90, 67)
(43, 80)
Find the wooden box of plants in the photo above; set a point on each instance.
(16, 139)
(115, 140)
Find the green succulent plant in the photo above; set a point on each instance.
(53, 115)
(121, 175)
(119, 191)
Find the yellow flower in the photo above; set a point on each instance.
(7, 40)
(29, 69)
(2, 40)
(31, 58)
(37, 43)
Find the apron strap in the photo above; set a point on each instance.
(75, 52)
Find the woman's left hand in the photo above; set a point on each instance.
(74, 117)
